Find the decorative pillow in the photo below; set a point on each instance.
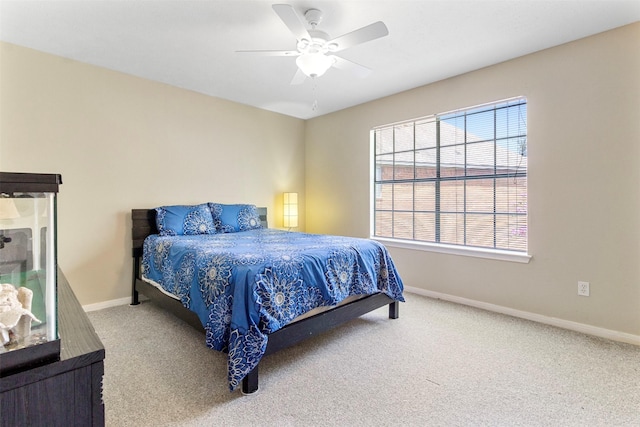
(184, 220)
(233, 218)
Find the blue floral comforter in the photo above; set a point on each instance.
(245, 285)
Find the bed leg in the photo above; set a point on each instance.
(394, 310)
(136, 271)
(250, 382)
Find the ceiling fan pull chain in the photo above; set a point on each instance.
(314, 105)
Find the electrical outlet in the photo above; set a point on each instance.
(583, 289)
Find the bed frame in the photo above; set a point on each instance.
(144, 224)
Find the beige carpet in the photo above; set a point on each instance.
(439, 364)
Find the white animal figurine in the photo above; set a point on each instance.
(15, 312)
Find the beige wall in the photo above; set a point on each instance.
(584, 180)
(122, 142)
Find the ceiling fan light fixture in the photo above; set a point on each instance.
(314, 64)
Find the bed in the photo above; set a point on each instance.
(255, 290)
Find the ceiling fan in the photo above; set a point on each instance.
(315, 49)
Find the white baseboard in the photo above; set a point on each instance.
(106, 304)
(553, 321)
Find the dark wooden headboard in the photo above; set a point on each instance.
(143, 223)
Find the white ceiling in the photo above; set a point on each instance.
(192, 44)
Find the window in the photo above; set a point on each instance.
(457, 178)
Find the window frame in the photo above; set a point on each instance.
(439, 247)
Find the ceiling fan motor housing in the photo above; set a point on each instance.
(317, 44)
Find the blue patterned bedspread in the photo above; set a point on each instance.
(245, 285)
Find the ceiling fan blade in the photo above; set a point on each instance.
(361, 35)
(292, 20)
(345, 64)
(271, 52)
(298, 78)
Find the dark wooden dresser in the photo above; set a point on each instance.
(63, 393)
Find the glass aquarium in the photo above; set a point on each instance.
(28, 271)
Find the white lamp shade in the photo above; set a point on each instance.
(314, 64)
(290, 210)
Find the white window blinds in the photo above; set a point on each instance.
(456, 178)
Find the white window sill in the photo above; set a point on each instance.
(456, 250)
